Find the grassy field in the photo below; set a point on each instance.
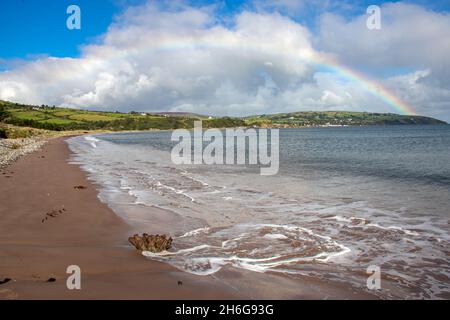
(59, 119)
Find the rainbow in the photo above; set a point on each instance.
(371, 86)
(307, 55)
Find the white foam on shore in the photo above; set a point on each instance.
(361, 222)
(275, 236)
(405, 231)
(195, 232)
(249, 248)
(173, 253)
(92, 141)
(337, 234)
(186, 174)
(182, 192)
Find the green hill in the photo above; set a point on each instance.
(61, 119)
(336, 118)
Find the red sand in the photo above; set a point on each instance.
(87, 234)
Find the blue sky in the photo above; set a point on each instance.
(248, 62)
(38, 26)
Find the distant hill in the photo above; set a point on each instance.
(59, 119)
(179, 114)
(336, 118)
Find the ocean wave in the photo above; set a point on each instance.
(195, 232)
(255, 247)
(177, 191)
(92, 141)
(276, 224)
(361, 222)
(186, 174)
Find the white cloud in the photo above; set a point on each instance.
(413, 41)
(416, 88)
(330, 97)
(410, 36)
(166, 60)
(183, 59)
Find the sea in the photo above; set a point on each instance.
(346, 201)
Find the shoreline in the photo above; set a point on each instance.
(48, 225)
(83, 232)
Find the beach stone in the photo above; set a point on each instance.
(152, 243)
(12, 149)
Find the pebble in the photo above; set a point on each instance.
(9, 153)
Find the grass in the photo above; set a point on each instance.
(93, 117)
(58, 121)
(63, 119)
(13, 132)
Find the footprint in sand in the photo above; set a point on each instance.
(53, 214)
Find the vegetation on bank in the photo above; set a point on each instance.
(11, 132)
(336, 118)
(64, 119)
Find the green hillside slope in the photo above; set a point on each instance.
(53, 118)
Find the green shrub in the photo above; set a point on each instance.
(3, 134)
(3, 113)
(16, 133)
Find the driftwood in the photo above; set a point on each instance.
(152, 243)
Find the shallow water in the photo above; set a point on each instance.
(344, 199)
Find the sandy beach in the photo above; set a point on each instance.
(47, 225)
(83, 232)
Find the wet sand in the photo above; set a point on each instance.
(83, 231)
(47, 225)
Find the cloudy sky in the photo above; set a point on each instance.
(228, 57)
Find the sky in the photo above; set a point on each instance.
(228, 57)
